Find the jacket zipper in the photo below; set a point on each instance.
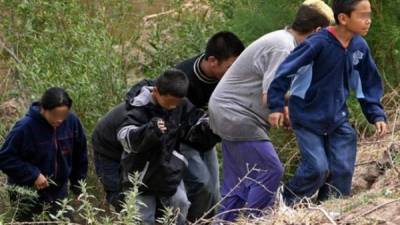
(144, 171)
(55, 157)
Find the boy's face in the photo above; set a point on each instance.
(167, 102)
(219, 67)
(359, 20)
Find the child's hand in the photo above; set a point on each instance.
(41, 182)
(276, 119)
(286, 122)
(161, 125)
(381, 128)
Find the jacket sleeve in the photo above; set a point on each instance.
(12, 155)
(196, 131)
(79, 158)
(372, 90)
(137, 138)
(201, 137)
(301, 56)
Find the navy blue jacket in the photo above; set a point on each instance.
(320, 74)
(33, 146)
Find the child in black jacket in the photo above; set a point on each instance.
(157, 120)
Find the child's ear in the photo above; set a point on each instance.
(342, 17)
(213, 61)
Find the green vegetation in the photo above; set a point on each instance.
(59, 45)
(73, 44)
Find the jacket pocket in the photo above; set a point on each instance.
(164, 179)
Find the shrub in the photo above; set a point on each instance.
(58, 44)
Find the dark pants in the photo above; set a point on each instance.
(108, 171)
(327, 164)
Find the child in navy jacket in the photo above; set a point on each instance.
(48, 143)
(320, 73)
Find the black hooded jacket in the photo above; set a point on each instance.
(104, 137)
(129, 133)
(149, 151)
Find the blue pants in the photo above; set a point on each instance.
(258, 191)
(201, 180)
(108, 171)
(178, 202)
(327, 164)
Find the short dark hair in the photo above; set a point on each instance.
(224, 45)
(308, 19)
(343, 6)
(55, 97)
(172, 82)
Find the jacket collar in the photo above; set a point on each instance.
(143, 98)
(200, 74)
(333, 39)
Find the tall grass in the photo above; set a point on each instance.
(82, 209)
(72, 44)
(60, 45)
(176, 36)
(251, 19)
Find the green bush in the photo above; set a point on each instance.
(60, 45)
(384, 39)
(82, 208)
(251, 19)
(177, 36)
(70, 44)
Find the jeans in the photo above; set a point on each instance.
(179, 202)
(201, 180)
(108, 171)
(256, 191)
(326, 165)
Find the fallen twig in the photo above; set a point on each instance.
(378, 207)
(9, 51)
(365, 163)
(374, 209)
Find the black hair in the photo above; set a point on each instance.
(343, 6)
(308, 19)
(55, 97)
(224, 45)
(172, 82)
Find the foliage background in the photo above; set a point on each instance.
(96, 49)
